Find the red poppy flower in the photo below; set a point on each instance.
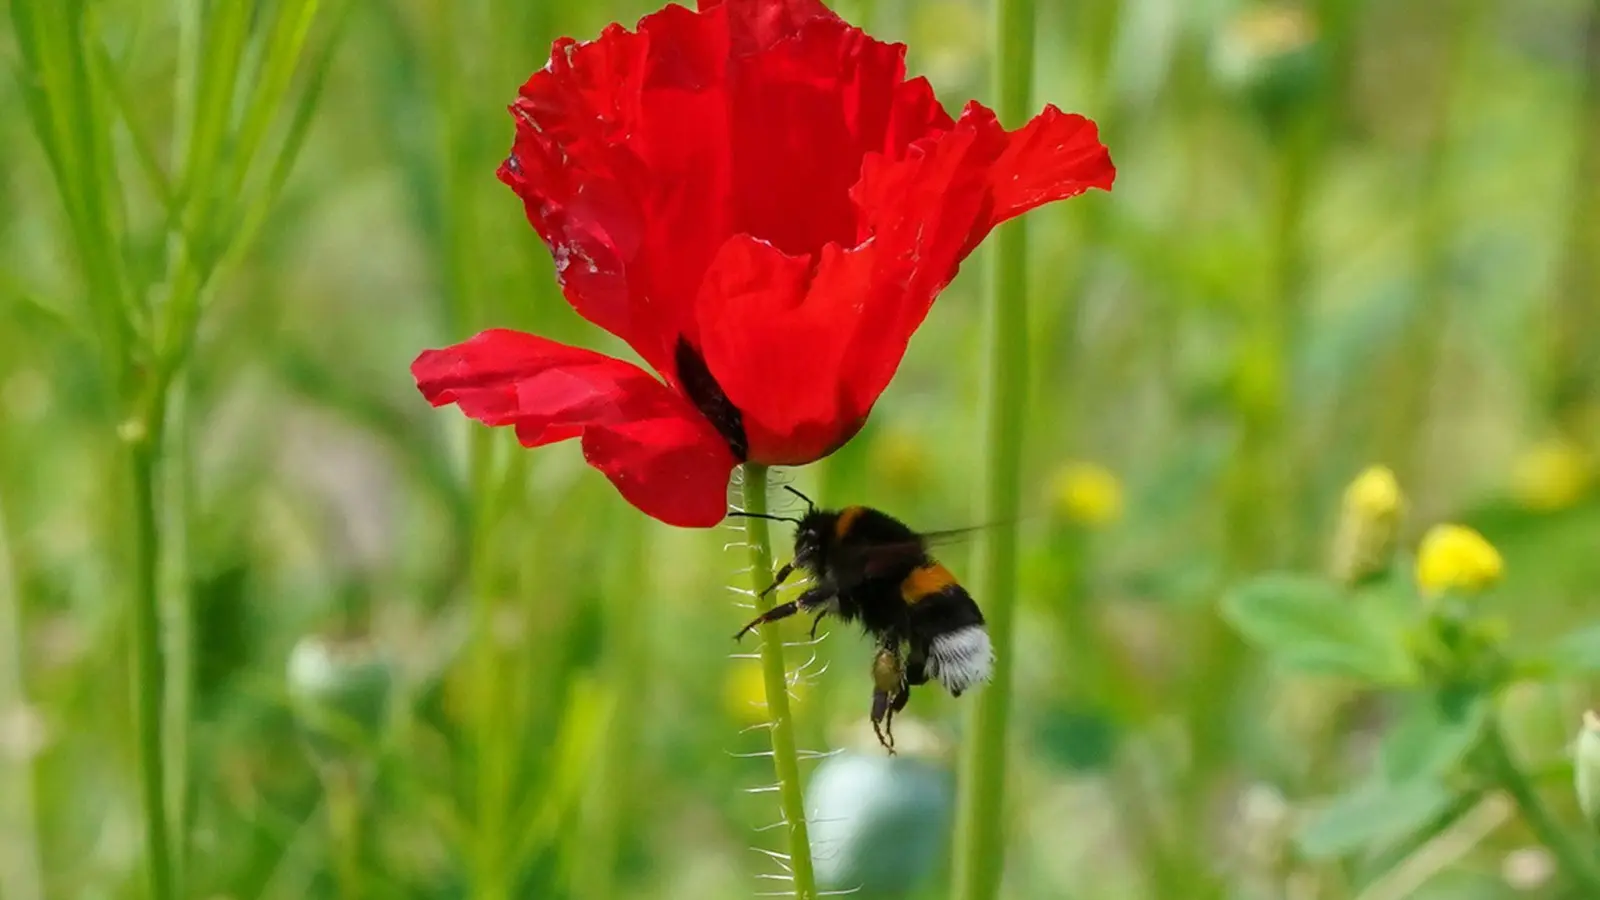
(757, 199)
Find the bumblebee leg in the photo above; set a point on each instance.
(810, 599)
(783, 611)
(880, 709)
(916, 666)
(817, 621)
(783, 575)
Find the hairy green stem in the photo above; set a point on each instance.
(980, 842)
(1580, 863)
(141, 447)
(776, 681)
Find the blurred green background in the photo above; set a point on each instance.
(1342, 233)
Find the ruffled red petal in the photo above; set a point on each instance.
(638, 155)
(804, 348)
(755, 25)
(661, 454)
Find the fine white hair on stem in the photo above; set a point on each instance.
(776, 856)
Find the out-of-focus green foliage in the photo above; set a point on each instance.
(1343, 234)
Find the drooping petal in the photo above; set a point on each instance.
(926, 212)
(638, 155)
(655, 447)
(804, 346)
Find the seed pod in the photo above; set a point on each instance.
(880, 823)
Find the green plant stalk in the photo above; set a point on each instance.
(342, 788)
(178, 616)
(1580, 862)
(21, 876)
(1572, 373)
(1410, 374)
(791, 797)
(492, 879)
(141, 448)
(979, 838)
(627, 667)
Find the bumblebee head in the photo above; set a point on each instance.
(811, 537)
(812, 530)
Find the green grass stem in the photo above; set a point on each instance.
(21, 876)
(791, 795)
(980, 839)
(1579, 862)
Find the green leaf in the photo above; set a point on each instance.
(1374, 813)
(1432, 736)
(1309, 624)
(1577, 654)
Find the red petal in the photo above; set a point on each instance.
(658, 450)
(804, 348)
(756, 25)
(640, 154)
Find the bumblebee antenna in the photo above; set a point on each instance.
(751, 515)
(793, 490)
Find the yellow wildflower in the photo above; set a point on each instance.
(1086, 494)
(1455, 557)
(1552, 475)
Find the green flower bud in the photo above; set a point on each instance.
(1586, 768)
(339, 690)
(1369, 521)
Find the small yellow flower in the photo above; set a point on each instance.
(745, 692)
(1455, 557)
(1552, 475)
(1086, 494)
(1364, 541)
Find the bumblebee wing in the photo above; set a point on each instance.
(876, 559)
(884, 558)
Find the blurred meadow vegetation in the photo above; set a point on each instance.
(1342, 234)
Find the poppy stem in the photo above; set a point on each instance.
(776, 681)
(979, 841)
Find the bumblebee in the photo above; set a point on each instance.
(869, 567)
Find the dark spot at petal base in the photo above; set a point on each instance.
(707, 396)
